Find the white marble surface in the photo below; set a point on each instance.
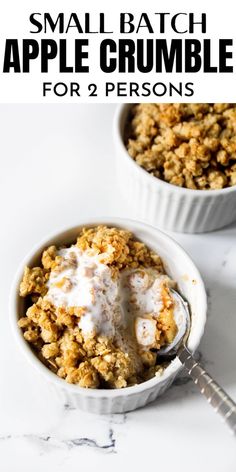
(57, 164)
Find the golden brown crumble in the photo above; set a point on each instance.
(191, 145)
(97, 361)
(33, 281)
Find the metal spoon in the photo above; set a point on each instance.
(216, 396)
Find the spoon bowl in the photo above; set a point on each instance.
(183, 322)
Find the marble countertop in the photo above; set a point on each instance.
(57, 167)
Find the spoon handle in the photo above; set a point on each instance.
(216, 396)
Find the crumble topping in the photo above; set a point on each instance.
(191, 145)
(99, 309)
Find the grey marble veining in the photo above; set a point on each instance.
(48, 443)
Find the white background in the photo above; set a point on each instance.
(14, 23)
(57, 166)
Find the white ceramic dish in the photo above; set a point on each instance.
(178, 265)
(162, 204)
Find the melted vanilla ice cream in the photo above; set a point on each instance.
(133, 300)
(144, 290)
(83, 281)
(143, 298)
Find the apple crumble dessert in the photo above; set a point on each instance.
(191, 145)
(99, 310)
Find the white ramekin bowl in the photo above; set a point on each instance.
(178, 265)
(162, 204)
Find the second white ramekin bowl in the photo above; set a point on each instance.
(162, 204)
(178, 265)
